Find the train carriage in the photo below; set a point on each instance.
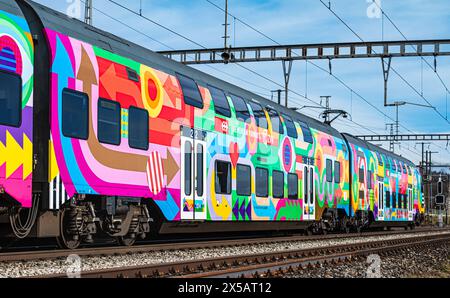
(126, 141)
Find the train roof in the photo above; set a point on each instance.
(75, 28)
(11, 7)
(361, 143)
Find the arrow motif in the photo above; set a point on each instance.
(15, 156)
(170, 167)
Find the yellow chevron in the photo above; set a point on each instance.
(15, 156)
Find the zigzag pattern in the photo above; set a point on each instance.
(14, 156)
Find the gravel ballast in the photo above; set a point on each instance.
(58, 266)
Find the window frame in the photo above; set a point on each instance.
(249, 180)
(257, 119)
(329, 170)
(16, 76)
(361, 174)
(290, 196)
(306, 131)
(271, 111)
(273, 183)
(116, 103)
(238, 115)
(257, 193)
(188, 168)
(230, 180)
(87, 112)
(195, 103)
(148, 128)
(289, 120)
(199, 158)
(337, 172)
(228, 109)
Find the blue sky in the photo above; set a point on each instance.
(308, 21)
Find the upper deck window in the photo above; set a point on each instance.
(75, 114)
(241, 108)
(307, 136)
(290, 126)
(259, 114)
(277, 126)
(10, 99)
(190, 90)
(220, 100)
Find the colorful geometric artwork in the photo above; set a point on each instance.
(16, 149)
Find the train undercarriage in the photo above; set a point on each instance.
(86, 218)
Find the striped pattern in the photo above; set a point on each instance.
(155, 173)
(57, 194)
(7, 60)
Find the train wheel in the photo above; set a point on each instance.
(126, 240)
(65, 240)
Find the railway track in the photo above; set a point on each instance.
(35, 255)
(267, 264)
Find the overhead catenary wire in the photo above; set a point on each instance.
(392, 68)
(190, 40)
(312, 63)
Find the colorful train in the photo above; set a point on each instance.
(102, 137)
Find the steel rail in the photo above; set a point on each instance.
(249, 265)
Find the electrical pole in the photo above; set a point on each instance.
(88, 12)
(225, 45)
(327, 107)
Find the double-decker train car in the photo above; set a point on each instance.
(99, 136)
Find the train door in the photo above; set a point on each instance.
(193, 174)
(410, 204)
(309, 193)
(381, 199)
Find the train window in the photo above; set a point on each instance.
(388, 199)
(262, 182)
(337, 172)
(188, 168)
(138, 128)
(361, 194)
(243, 180)
(311, 186)
(307, 136)
(199, 168)
(369, 180)
(293, 186)
(278, 184)
(329, 170)
(305, 184)
(220, 100)
(223, 177)
(277, 126)
(260, 115)
(394, 200)
(10, 99)
(361, 176)
(191, 94)
(241, 108)
(380, 160)
(109, 124)
(75, 114)
(404, 169)
(290, 126)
